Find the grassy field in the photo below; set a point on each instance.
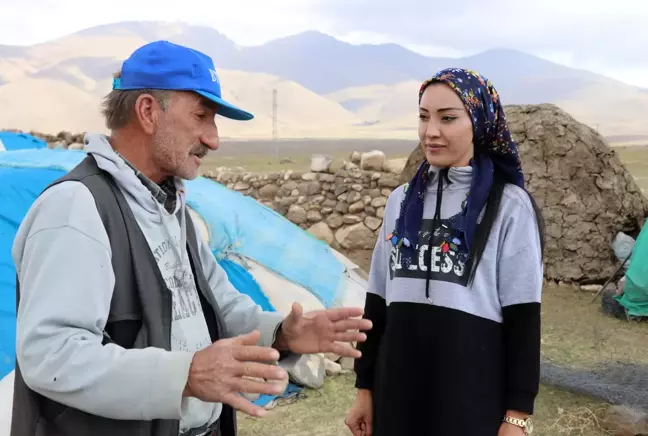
(574, 332)
(636, 159)
(261, 156)
(322, 413)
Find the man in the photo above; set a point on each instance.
(126, 323)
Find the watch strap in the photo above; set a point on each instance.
(517, 422)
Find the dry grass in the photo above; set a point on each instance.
(264, 156)
(575, 333)
(322, 413)
(636, 160)
(268, 162)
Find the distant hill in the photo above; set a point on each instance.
(326, 87)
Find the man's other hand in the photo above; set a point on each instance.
(221, 371)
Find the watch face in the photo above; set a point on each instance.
(529, 425)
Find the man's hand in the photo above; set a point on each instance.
(322, 331)
(219, 373)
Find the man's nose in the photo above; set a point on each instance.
(211, 139)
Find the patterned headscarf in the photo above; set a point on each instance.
(493, 147)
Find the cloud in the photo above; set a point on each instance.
(609, 37)
(247, 22)
(589, 32)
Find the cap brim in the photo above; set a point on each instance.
(226, 109)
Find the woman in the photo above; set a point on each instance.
(455, 280)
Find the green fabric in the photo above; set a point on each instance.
(635, 294)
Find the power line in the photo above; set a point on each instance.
(274, 114)
(274, 122)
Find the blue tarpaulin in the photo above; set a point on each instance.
(10, 141)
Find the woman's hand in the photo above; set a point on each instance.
(360, 417)
(507, 429)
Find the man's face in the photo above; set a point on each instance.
(185, 132)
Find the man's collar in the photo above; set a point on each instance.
(165, 192)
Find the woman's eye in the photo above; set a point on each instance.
(449, 118)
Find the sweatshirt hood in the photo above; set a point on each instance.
(147, 196)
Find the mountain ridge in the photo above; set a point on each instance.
(372, 85)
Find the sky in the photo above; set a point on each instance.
(607, 37)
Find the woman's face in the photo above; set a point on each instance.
(445, 127)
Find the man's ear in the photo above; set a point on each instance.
(147, 112)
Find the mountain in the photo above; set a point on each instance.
(326, 87)
(325, 64)
(610, 106)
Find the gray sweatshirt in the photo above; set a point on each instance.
(63, 260)
(510, 271)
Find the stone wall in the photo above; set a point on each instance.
(343, 207)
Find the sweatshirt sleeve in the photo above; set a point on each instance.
(375, 310)
(240, 313)
(520, 278)
(63, 260)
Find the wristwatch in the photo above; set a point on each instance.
(525, 424)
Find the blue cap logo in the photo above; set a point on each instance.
(164, 65)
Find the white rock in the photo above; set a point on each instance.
(349, 166)
(306, 370)
(320, 163)
(332, 368)
(347, 363)
(372, 161)
(332, 357)
(591, 288)
(395, 166)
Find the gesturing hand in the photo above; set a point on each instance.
(218, 372)
(323, 331)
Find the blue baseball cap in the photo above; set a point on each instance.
(164, 65)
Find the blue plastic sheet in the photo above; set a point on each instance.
(240, 225)
(20, 141)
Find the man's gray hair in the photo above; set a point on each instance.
(119, 105)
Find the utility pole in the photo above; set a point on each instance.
(274, 122)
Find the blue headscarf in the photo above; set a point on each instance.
(493, 148)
